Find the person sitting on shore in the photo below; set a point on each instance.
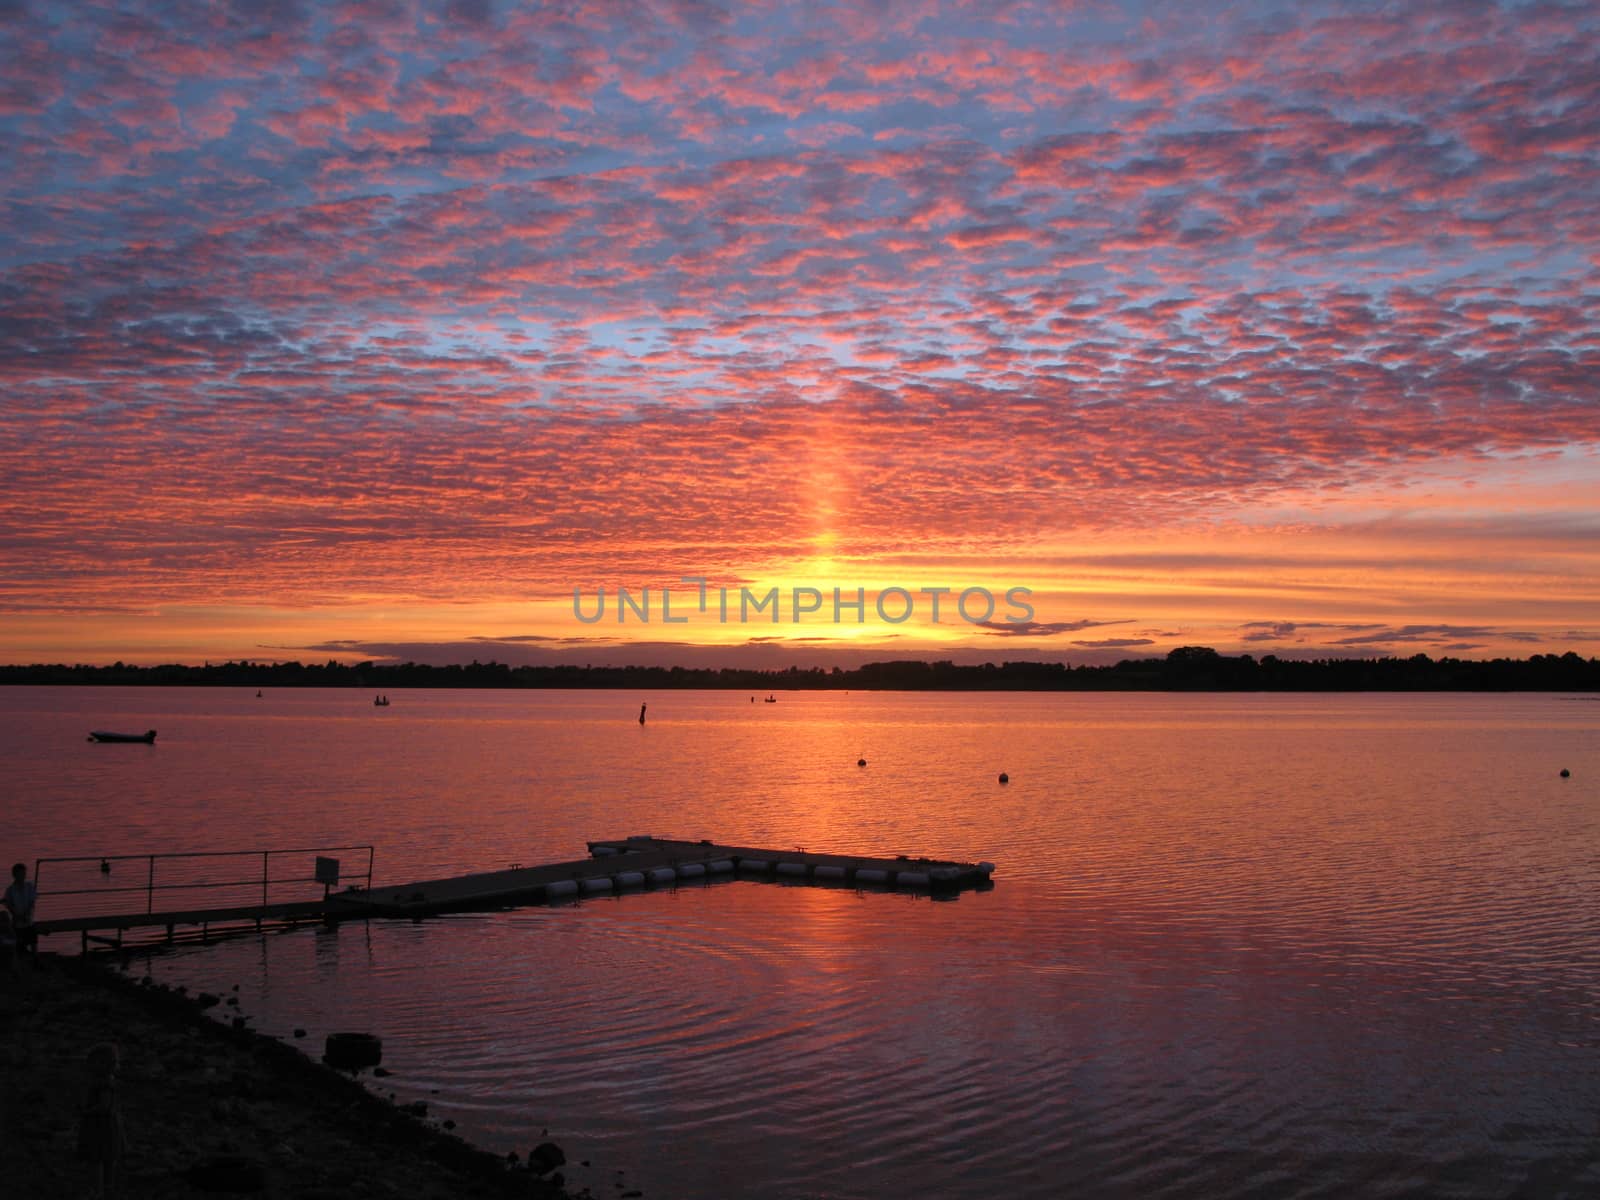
(100, 1138)
(20, 898)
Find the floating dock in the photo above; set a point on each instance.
(625, 864)
(94, 928)
(641, 862)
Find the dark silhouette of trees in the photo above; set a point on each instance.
(1188, 668)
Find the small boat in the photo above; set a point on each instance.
(770, 700)
(148, 737)
(380, 702)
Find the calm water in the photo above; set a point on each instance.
(1239, 945)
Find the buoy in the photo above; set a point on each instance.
(1004, 778)
(1565, 774)
(861, 762)
(642, 707)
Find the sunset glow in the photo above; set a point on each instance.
(375, 330)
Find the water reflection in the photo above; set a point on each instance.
(1239, 945)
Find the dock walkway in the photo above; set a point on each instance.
(613, 867)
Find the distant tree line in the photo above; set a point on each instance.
(1188, 668)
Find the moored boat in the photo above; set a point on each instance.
(100, 735)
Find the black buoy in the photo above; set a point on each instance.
(105, 867)
(1566, 774)
(642, 707)
(1004, 778)
(861, 762)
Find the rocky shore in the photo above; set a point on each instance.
(212, 1109)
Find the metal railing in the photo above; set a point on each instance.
(150, 887)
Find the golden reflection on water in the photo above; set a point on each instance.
(1239, 945)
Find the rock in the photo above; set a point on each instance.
(546, 1157)
(207, 1000)
(299, 1033)
(227, 1173)
(352, 1051)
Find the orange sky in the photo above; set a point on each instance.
(325, 337)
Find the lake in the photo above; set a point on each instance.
(1237, 946)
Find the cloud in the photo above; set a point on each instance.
(1280, 631)
(1436, 634)
(755, 653)
(468, 301)
(1041, 628)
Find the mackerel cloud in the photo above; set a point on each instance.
(495, 295)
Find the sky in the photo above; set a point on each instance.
(418, 331)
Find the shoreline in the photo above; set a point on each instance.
(199, 1099)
